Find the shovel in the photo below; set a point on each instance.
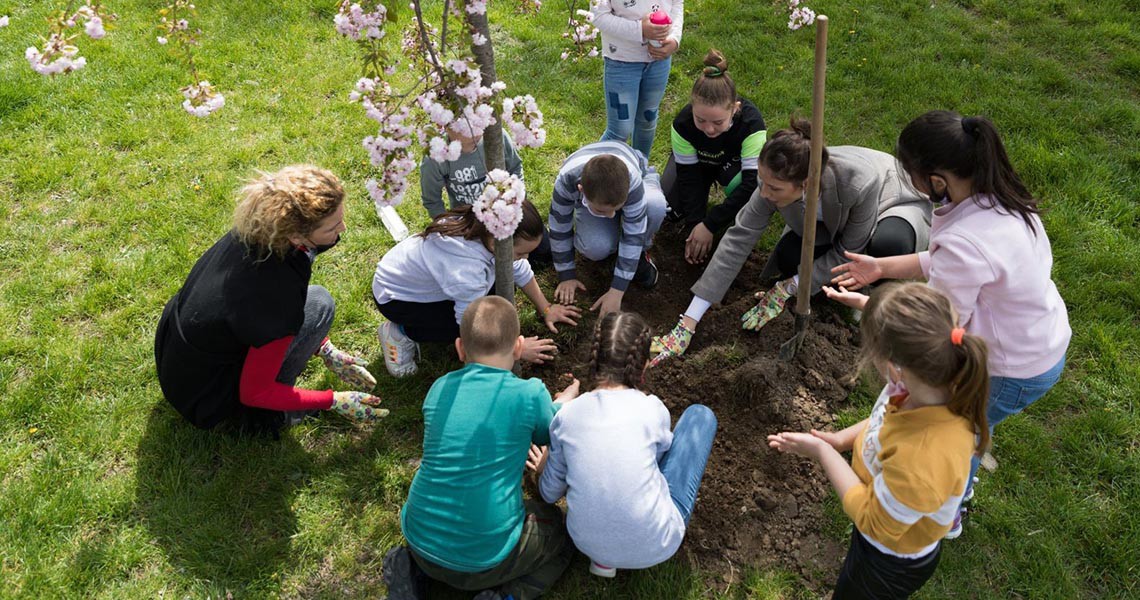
(807, 250)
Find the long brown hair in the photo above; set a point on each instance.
(911, 325)
(714, 86)
(462, 222)
(970, 148)
(620, 349)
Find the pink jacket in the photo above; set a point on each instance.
(996, 271)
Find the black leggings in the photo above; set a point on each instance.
(871, 574)
(893, 237)
(423, 321)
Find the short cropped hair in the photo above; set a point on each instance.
(490, 326)
(605, 181)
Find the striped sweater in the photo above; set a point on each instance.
(913, 465)
(633, 215)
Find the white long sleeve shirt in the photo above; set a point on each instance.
(620, 24)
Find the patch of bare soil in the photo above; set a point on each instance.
(756, 508)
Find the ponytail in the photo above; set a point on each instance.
(970, 148)
(970, 388)
(620, 350)
(714, 86)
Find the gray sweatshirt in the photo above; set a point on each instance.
(858, 188)
(604, 450)
(464, 178)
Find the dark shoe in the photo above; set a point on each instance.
(673, 216)
(489, 595)
(403, 577)
(646, 275)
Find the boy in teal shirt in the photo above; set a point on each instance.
(465, 520)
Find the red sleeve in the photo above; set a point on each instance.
(259, 386)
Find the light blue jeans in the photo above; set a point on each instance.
(633, 95)
(684, 464)
(1009, 396)
(597, 238)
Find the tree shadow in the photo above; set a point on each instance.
(218, 503)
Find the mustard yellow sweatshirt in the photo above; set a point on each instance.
(913, 465)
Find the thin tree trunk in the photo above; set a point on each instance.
(493, 150)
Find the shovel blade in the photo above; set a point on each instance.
(789, 348)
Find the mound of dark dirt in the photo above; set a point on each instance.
(756, 508)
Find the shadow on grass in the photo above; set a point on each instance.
(216, 503)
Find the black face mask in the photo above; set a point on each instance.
(319, 248)
(938, 200)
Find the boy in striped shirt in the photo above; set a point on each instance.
(606, 200)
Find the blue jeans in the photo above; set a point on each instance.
(684, 464)
(633, 94)
(319, 311)
(1009, 396)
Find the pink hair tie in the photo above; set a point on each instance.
(956, 335)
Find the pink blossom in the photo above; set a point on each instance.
(161, 40)
(800, 16)
(57, 57)
(4, 21)
(94, 28)
(478, 39)
(201, 99)
(476, 7)
(523, 121)
(499, 207)
(442, 151)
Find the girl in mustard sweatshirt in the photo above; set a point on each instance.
(910, 460)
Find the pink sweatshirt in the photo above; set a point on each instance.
(997, 274)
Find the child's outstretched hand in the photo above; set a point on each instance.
(846, 297)
(538, 351)
(862, 270)
(801, 444)
(561, 313)
(570, 392)
(831, 438)
(536, 459)
(565, 292)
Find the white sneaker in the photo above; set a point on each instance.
(602, 570)
(399, 350)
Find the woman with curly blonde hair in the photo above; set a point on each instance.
(232, 342)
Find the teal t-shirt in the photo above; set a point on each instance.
(465, 508)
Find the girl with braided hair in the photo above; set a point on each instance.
(629, 482)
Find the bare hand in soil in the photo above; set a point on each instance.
(609, 302)
(538, 351)
(698, 244)
(862, 270)
(536, 459)
(801, 444)
(565, 292)
(848, 298)
(560, 313)
(570, 392)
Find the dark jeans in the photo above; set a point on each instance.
(893, 237)
(423, 321)
(871, 574)
(537, 561)
(319, 311)
(694, 209)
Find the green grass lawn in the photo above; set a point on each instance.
(109, 192)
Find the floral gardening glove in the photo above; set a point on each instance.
(770, 306)
(671, 344)
(358, 406)
(347, 367)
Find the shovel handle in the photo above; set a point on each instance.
(811, 208)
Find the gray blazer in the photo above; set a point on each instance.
(858, 188)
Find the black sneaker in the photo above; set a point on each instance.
(403, 577)
(646, 275)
